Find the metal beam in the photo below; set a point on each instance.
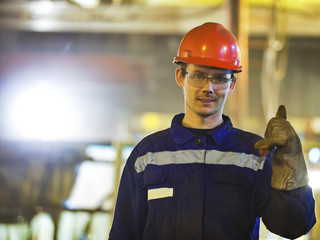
(238, 100)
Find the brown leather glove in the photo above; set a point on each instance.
(288, 164)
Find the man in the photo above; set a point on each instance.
(204, 179)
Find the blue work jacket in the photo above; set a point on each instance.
(180, 186)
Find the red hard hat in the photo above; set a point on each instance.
(211, 45)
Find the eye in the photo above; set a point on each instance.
(198, 76)
(222, 78)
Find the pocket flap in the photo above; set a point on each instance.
(233, 175)
(154, 175)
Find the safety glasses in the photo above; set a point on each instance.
(220, 81)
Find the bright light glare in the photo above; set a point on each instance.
(43, 112)
(314, 179)
(42, 7)
(88, 3)
(90, 188)
(101, 152)
(314, 155)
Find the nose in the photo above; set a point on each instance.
(209, 87)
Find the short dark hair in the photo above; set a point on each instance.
(183, 67)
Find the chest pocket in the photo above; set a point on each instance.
(162, 201)
(158, 182)
(232, 190)
(233, 175)
(161, 188)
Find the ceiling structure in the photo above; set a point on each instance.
(151, 16)
(139, 30)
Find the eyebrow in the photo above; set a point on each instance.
(200, 72)
(215, 74)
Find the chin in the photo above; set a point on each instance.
(206, 114)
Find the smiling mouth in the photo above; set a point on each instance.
(207, 100)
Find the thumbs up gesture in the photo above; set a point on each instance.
(288, 164)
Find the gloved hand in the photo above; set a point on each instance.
(288, 164)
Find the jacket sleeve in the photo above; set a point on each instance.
(130, 211)
(289, 214)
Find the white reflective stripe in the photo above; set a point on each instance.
(160, 193)
(233, 158)
(200, 156)
(164, 158)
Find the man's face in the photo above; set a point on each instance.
(203, 101)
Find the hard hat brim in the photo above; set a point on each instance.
(208, 62)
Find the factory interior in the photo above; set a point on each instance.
(83, 81)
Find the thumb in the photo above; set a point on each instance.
(264, 146)
(272, 139)
(282, 112)
(265, 143)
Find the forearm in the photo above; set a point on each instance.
(290, 213)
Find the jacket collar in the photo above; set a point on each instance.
(182, 135)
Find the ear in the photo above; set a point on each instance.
(179, 77)
(233, 84)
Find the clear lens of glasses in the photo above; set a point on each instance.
(219, 81)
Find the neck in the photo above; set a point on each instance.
(202, 122)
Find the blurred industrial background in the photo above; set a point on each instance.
(82, 81)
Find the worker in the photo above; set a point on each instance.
(204, 179)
